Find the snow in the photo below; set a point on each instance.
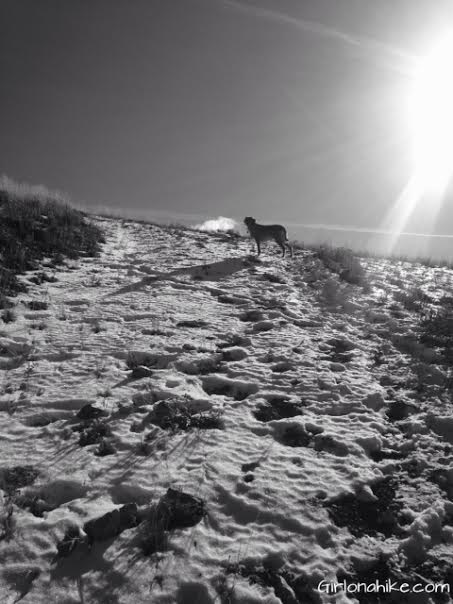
(309, 387)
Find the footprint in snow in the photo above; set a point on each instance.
(251, 316)
(237, 389)
(262, 326)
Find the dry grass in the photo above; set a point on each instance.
(437, 329)
(428, 261)
(342, 261)
(36, 224)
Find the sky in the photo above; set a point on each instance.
(288, 110)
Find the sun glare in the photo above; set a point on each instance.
(431, 114)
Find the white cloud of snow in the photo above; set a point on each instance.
(217, 224)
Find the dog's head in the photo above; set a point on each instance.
(249, 221)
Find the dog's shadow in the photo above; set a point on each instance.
(214, 271)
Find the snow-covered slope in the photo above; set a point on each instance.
(304, 435)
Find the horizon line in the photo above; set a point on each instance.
(195, 216)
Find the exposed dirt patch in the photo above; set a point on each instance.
(180, 417)
(369, 517)
(277, 408)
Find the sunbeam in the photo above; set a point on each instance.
(431, 118)
(430, 113)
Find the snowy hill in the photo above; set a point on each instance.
(181, 422)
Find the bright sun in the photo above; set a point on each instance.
(431, 115)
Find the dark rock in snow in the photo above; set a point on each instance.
(112, 524)
(141, 371)
(179, 510)
(89, 412)
(399, 410)
(69, 542)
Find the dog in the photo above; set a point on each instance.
(264, 232)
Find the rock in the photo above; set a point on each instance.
(104, 527)
(179, 510)
(364, 493)
(399, 410)
(278, 407)
(129, 516)
(249, 467)
(69, 542)
(112, 524)
(89, 412)
(313, 428)
(141, 371)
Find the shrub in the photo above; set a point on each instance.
(8, 316)
(16, 477)
(37, 305)
(7, 520)
(93, 433)
(36, 224)
(413, 299)
(336, 294)
(437, 329)
(343, 262)
(179, 417)
(5, 302)
(105, 447)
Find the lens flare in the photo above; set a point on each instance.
(431, 116)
